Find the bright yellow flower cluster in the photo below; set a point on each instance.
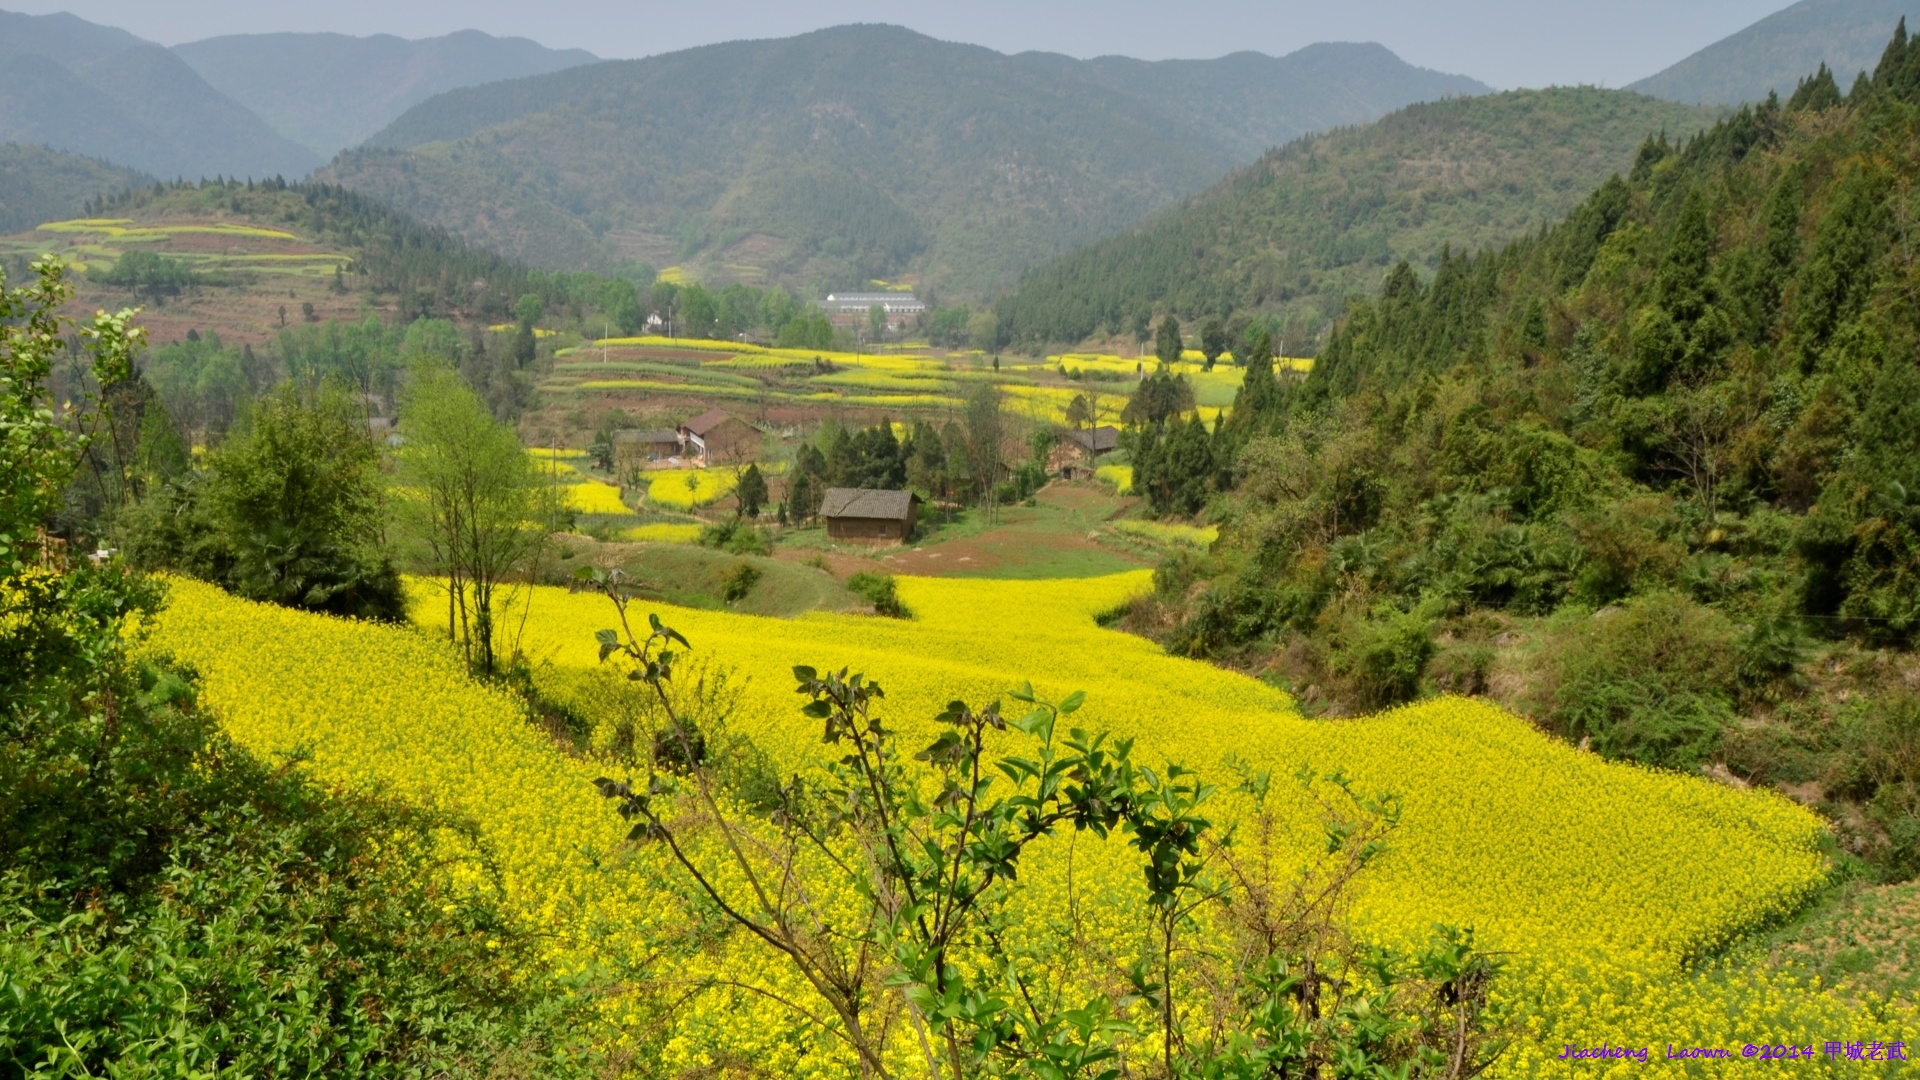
(1120, 476)
(1164, 532)
(1597, 882)
(671, 488)
(1049, 403)
(662, 532)
(120, 229)
(742, 354)
(552, 467)
(594, 497)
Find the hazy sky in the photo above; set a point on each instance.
(1503, 42)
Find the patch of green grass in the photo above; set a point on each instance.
(1039, 563)
(1864, 939)
(594, 368)
(696, 577)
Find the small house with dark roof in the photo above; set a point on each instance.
(1096, 441)
(633, 448)
(719, 435)
(870, 515)
(1077, 450)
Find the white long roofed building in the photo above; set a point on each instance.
(849, 308)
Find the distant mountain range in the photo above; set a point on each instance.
(855, 152)
(93, 90)
(248, 105)
(1777, 52)
(1322, 219)
(39, 185)
(329, 92)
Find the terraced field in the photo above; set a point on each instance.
(208, 247)
(803, 382)
(251, 280)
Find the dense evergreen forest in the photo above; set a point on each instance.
(1323, 218)
(1651, 476)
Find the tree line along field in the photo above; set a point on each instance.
(1608, 888)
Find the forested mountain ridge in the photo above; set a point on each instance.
(1775, 53)
(102, 92)
(1314, 222)
(39, 185)
(836, 156)
(329, 92)
(1253, 102)
(1649, 476)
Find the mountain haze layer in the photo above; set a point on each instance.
(101, 92)
(1321, 219)
(329, 92)
(1775, 53)
(853, 153)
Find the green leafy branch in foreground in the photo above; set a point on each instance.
(930, 845)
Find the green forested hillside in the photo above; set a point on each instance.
(95, 90)
(38, 184)
(1652, 476)
(842, 155)
(1317, 221)
(328, 92)
(1775, 53)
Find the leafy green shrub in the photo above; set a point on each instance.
(1770, 652)
(1889, 756)
(880, 591)
(736, 537)
(1384, 656)
(287, 511)
(1234, 612)
(146, 271)
(171, 906)
(1624, 546)
(1461, 667)
(1653, 680)
(737, 580)
(304, 934)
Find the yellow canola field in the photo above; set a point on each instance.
(1049, 403)
(670, 487)
(122, 229)
(1120, 476)
(594, 497)
(662, 532)
(1598, 881)
(744, 354)
(561, 469)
